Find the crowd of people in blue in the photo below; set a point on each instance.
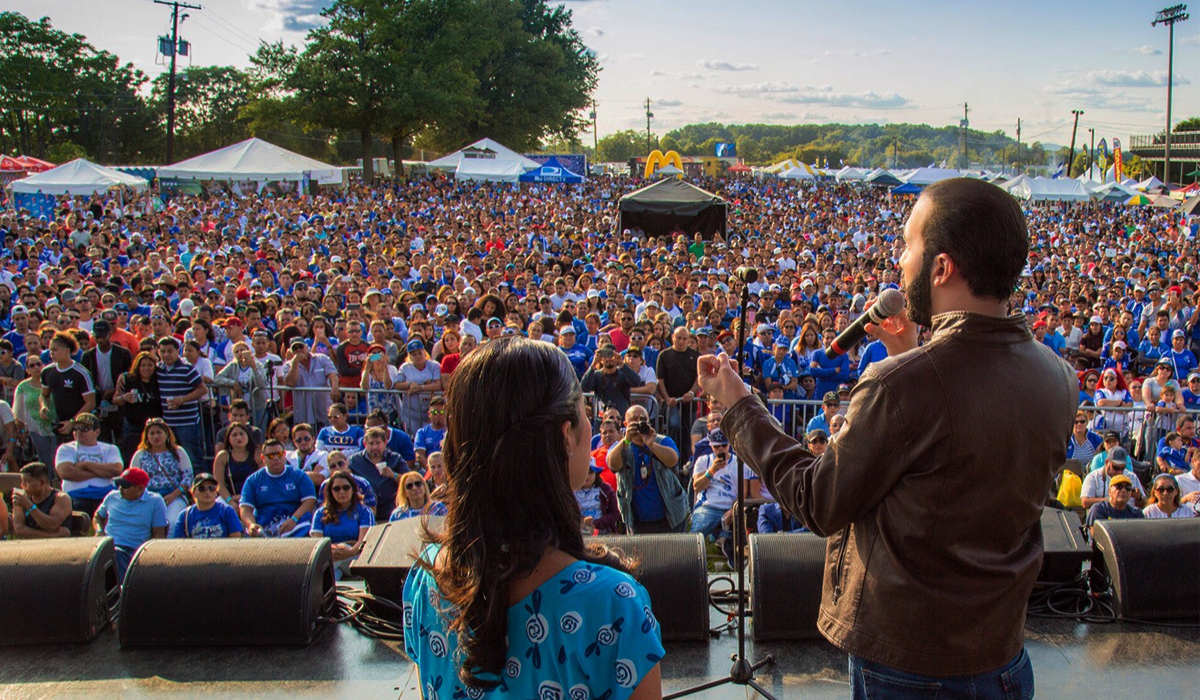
(226, 366)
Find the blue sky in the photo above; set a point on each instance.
(787, 62)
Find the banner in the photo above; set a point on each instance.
(40, 206)
(1102, 148)
(1117, 169)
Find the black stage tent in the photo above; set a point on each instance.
(672, 205)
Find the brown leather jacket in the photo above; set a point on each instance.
(931, 495)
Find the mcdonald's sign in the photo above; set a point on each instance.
(657, 159)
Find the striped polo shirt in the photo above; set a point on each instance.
(179, 380)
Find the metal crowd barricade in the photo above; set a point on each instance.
(1140, 430)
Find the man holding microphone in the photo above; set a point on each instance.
(920, 586)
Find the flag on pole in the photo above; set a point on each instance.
(1118, 170)
(1059, 171)
(1102, 148)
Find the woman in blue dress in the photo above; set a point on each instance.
(508, 601)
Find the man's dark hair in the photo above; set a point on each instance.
(377, 415)
(983, 230)
(36, 470)
(239, 404)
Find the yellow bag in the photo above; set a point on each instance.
(1069, 489)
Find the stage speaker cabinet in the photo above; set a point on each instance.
(1154, 565)
(786, 570)
(1065, 547)
(56, 591)
(227, 592)
(674, 571)
(388, 553)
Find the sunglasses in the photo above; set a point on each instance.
(414, 485)
(1164, 489)
(82, 429)
(1080, 422)
(343, 487)
(819, 439)
(272, 455)
(205, 488)
(437, 413)
(1122, 487)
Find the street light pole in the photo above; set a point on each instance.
(171, 78)
(1071, 157)
(1169, 16)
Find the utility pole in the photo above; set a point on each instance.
(595, 134)
(174, 5)
(649, 116)
(963, 161)
(1091, 152)
(895, 151)
(1071, 157)
(1018, 140)
(1169, 16)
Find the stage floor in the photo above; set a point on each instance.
(1070, 660)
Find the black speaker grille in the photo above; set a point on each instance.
(54, 591)
(1154, 565)
(237, 592)
(675, 574)
(785, 585)
(1065, 549)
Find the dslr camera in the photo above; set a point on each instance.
(641, 427)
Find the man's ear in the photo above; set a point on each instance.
(944, 270)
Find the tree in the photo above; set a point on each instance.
(1189, 124)
(55, 88)
(208, 105)
(622, 146)
(533, 73)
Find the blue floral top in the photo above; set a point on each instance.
(585, 634)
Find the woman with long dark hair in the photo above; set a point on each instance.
(508, 599)
(343, 519)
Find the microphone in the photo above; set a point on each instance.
(890, 303)
(749, 275)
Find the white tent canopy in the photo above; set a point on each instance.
(1150, 184)
(848, 173)
(253, 159)
(1044, 189)
(928, 176)
(486, 160)
(802, 173)
(78, 177)
(1113, 192)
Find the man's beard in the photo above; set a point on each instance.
(920, 294)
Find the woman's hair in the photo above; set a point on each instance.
(402, 497)
(135, 368)
(332, 510)
(227, 446)
(509, 495)
(281, 420)
(171, 445)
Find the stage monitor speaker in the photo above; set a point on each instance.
(1065, 547)
(56, 591)
(387, 555)
(227, 592)
(674, 571)
(1154, 565)
(786, 570)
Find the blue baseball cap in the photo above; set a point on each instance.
(415, 345)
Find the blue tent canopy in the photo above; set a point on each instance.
(551, 171)
(907, 188)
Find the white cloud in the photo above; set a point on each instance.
(296, 15)
(1193, 39)
(860, 100)
(595, 31)
(727, 65)
(767, 88)
(1133, 78)
(1145, 50)
(667, 103)
(681, 75)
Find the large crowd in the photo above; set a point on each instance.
(273, 366)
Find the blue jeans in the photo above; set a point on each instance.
(1012, 681)
(707, 520)
(188, 437)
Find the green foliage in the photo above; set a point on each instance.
(1189, 124)
(623, 145)
(57, 88)
(208, 105)
(862, 145)
(64, 152)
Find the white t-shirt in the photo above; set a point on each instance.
(317, 461)
(101, 452)
(722, 490)
(1188, 484)
(1095, 484)
(1183, 511)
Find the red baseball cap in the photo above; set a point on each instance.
(132, 477)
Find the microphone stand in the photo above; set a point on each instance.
(742, 672)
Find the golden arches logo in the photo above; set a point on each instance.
(658, 159)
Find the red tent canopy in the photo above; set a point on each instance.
(739, 168)
(9, 164)
(35, 165)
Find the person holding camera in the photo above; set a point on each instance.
(610, 380)
(714, 481)
(650, 497)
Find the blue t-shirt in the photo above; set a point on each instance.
(275, 498)
(130, 522)
(400, 443)
(587, 632)
(647, 499)
(1177, 458)
(346, 527)
(429, 439)
(349, 441)
(215, 523)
